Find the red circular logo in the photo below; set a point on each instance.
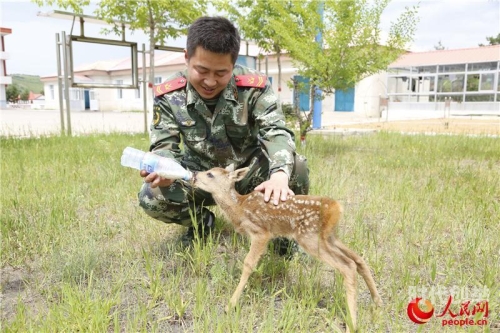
(416, 314)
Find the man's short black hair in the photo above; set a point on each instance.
(214, 34)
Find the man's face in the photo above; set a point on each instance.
(208, 72)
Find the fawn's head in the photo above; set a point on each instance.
(218, 179)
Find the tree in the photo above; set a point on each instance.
(12, 93)
(439, 46)
(25, 95)
(76, 6)
(492, 40)
(352, 48)
(253, 20)
(160, 19)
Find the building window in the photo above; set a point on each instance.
(427, 69)
(119, 92)
(454, 98)
(423, 84)
(480, 98)
(451, 83)
(158, 79)
(74, 94)
(473, 82)
(483, 66)
(480, 82)
(487, 80)
(451, 68)
(51, 91)
(399, 71)
(399, 84)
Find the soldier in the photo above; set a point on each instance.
(224, 113)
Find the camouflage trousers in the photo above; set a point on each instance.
(178, 202)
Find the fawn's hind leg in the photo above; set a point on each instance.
(362, 268)
(257, 247)
(334, 257)
(317, 247)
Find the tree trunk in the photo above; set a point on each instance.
(304, 127)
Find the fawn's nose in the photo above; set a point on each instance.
(193, 179)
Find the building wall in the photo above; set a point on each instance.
(106, 99)
(4, 79)
(367, 95)
(367, 92)
(469, 87)
(411, 94)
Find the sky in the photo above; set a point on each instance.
(32, 44)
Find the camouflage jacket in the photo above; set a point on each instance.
(246, 121)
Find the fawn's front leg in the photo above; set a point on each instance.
(257, 247)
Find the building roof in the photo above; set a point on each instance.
(32, 96)
(448, 57)
(5, 31)
(162, 58)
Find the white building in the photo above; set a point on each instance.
(416, 82)
(467, 78)
(4, 79)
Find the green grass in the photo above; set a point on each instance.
(78, 254)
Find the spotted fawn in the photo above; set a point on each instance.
(309, 220)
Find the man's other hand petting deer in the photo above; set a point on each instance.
(309, 220)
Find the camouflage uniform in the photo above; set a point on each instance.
(247, 128)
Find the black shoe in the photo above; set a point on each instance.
(284, 247)
(202, 230)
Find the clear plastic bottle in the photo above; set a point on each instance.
(163, 166)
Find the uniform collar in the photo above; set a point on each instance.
(229, 93)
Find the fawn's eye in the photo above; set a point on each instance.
(210, 175)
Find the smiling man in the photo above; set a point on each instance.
(223, 114)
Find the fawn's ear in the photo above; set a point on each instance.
(230, 167)
(239, 174)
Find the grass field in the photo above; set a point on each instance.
(78, 254)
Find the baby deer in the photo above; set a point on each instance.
(310, 220)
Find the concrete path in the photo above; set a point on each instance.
(33, 123)
(29, 123)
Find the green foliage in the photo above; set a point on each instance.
(492, 40)
(76, 6)
(288, 111)
(12, 92)
(28, 82)
(253, 19)
(160, 19)
(352, 48)
(439, 46)
(25, 94)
